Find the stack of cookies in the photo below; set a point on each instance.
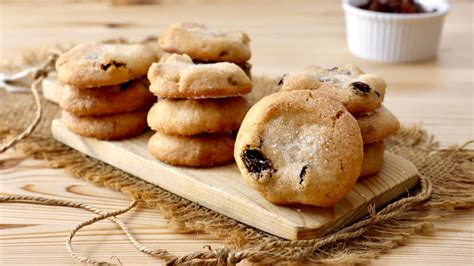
(200, 108)
(106, 92)
(205, 45)
(362, 95)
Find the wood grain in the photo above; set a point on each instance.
(34, 234)
(286, 35)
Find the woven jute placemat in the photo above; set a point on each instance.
(446, 184)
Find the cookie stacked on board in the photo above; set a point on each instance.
(200, 84)
(205, 45)
(362, 95)
(106, 94)
(199, 109)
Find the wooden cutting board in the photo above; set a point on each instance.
(223, 190)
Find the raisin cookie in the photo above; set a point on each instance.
(378, 125)
(113, 99)
(204, 44)
(358, 92)
(98, 65)
(179, 77)
(373, 158)
(299, 147)
(195, 151)
(191, 117)
(115, 126)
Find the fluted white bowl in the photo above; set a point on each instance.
(394, 38)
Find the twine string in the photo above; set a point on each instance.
(38, 75)
(101, 216)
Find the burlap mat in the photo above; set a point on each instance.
(449, 170)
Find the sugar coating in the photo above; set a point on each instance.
(179, 77)
(339, 83)
(205, 44)
(98, 65)
(296, 142)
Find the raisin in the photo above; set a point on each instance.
(223, 53)
(105, 66)
(336, 117)
(394, 6)
(360, 87)
(232, 81)
(303, 173)
(112, 63)
(333, 69)
(256, 163)
(282, 79)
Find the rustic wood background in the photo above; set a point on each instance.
(285, 35)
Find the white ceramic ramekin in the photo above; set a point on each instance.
(394, 38)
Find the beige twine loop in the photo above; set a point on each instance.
(38, 75)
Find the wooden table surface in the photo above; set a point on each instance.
(285, 35)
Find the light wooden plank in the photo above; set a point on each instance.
(222, 189)
(52, 89)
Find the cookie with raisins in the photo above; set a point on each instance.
(205, 44)
(97, 65)
(299, 147)
(179, 77)
(358, 92)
